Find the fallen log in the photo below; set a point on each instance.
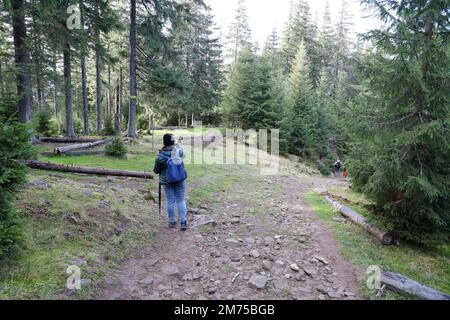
(76, 153)
(384, 236)
(67, 140)
(86, 170)
(63, 150)
(400, 283)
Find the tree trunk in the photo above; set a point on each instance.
(86, 129)
(98, 91)
(2, 87)
(109, 100)
(55, 87)
(87, 170)
(70, 132)
(133, 84)
(117, 124)
(37, 61)
(399, 283)
(22, 60)
(84, 87)
(66, 140)
(385, 237)
(81, 146)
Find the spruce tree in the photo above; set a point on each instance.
(401, 158)
(298, 126)
(239, 34)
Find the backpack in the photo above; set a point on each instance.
(175, 171)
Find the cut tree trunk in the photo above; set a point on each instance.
(384, 236)
(76, 153)
(82, 146)
(87, 170)
(66, 140)
(399, 283)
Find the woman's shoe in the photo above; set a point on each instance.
(172, 225)
(184, 226)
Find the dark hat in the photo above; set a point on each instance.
(168, 140)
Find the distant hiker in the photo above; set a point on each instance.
(345, 173)
(337, 167)
(172, 176)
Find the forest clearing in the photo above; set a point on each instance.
(110, 227)
(149, 152)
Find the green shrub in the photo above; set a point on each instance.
(109, 129)
(45, 125)
(78, 126)
(14, 146)
(117, 148)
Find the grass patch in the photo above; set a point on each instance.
(362, 249)
(72, 219)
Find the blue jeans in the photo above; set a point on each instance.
(175, 193)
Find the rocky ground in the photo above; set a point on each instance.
(256, 240)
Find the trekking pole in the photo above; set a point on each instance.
(159, 199)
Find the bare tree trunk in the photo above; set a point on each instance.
(109, 100)
(22, 60)
(86, 130)
(87, 170)
(84, 87)
(55, 87)
(98, 92)
(133, 83)
(2, 87)
(81, 146)
(37, 60)
(117, 124)
(70, 132)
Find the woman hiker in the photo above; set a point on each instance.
(172, 176)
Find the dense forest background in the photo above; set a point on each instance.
(380, 102)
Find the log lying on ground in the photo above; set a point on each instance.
(87, 170)
(67, 140)
(76, 153)
(81, 146)
(399, 283)
(384, 236)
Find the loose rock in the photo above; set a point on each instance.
(294, 267)
(258, 282)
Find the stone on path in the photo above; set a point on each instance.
(171, 270)
(258, 282)
(232, 241)
(146, 281)
(309, 271)
(279, 284)
(321, 259)
(267, 265)
(294, 267)
(279, 263)
(255, 253)
(236, 257)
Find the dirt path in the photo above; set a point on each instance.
(266, 243)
